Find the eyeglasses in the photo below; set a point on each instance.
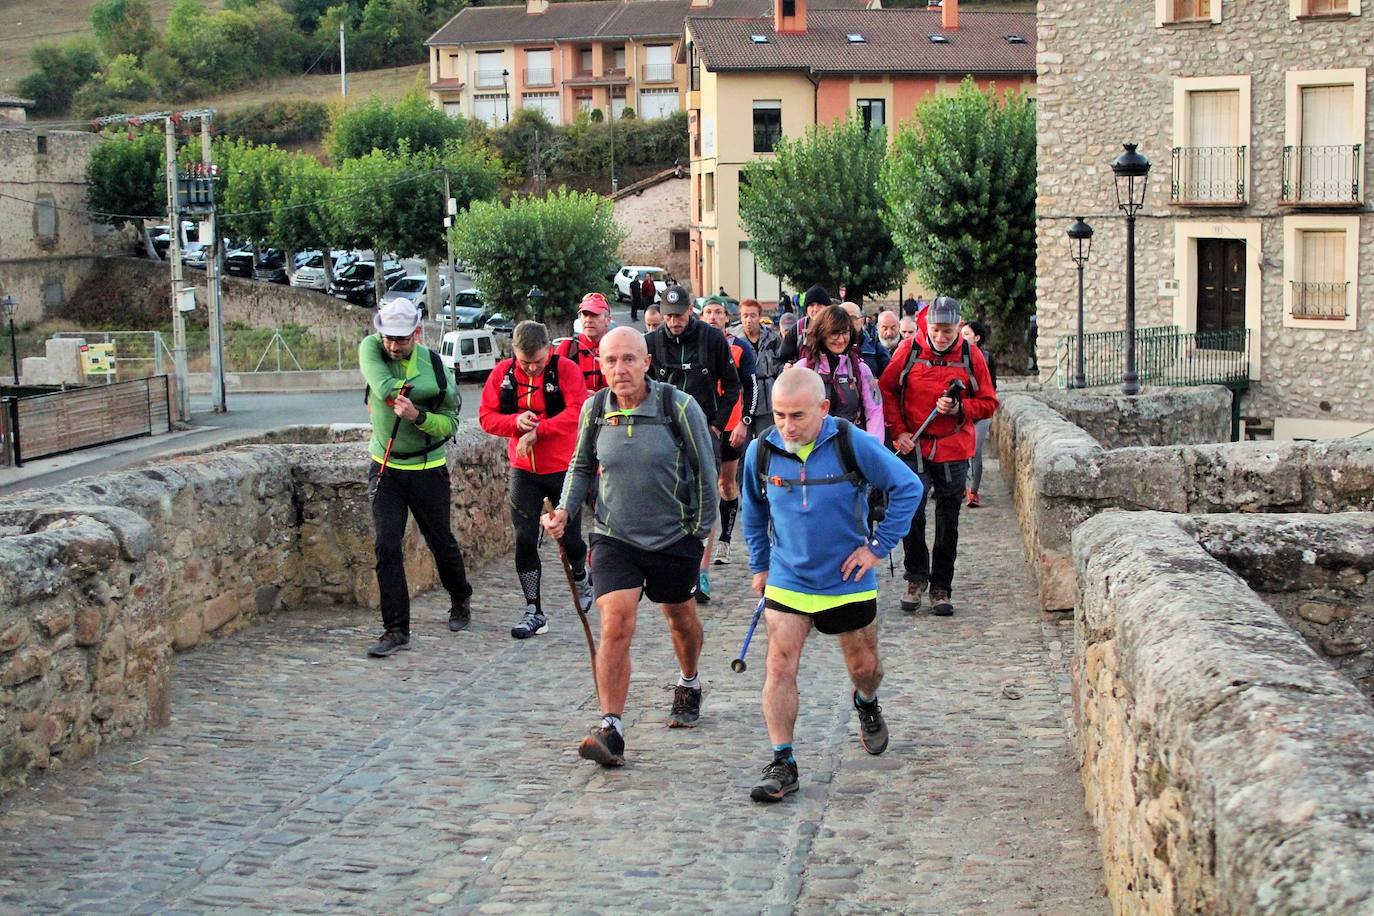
(399, 340)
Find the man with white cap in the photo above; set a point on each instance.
(414, 412)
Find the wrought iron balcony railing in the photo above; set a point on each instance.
(1320, 301)
(1208, 175)
(1322, 174)
(1164, 356)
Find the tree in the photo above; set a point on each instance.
(252, 183)
(300, 218)
(960, 190)
(125, 181)
(124, 26)
(377, 125)
(814, 212)
(564, 243)
(59, 70)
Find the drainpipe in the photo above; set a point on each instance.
(815, 96)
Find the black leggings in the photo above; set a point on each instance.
(527, 494)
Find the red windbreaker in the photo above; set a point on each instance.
(947, 438)
(553, 446)
(587, 355)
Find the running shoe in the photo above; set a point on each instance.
(911, 600)
(391, 641)
(872, 726)
(584, 590)
(534, 624)
(604, 745)
(973, 501)
(940, 604)
(686, 707)
(779, 780)
(704, 588)
(720, 555)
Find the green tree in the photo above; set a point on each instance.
(814, 213)
(412, 123)
(960, 191)
(564, 243)
(254, 178)
(124, 26)
(300, 218)
(59, 70)
(392, 33)
(125, 181)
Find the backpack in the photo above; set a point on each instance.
(824, 366)
(553, 395)
(667, 417)
(572, 349)
(440, 376)
(665, 370)
(877, 499)
(965, 360)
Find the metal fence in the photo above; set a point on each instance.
(1165, 355)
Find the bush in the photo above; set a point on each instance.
(280, 123)
(583, 149)
(59, 70)
(379, 125)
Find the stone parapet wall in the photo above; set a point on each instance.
(101, 580)
(1198, 415)
(1061, 476)
(1224, 764)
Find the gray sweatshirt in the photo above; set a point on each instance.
(650, 493)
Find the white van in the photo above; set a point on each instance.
(469, 352)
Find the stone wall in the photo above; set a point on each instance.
(1158, 416)
(103, 578)
(1060, 476)
(649, 216)
(1094, 58)
(1225, 765)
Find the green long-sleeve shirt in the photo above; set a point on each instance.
(418, 446)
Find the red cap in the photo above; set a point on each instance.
(594, 303)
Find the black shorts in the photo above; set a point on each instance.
(727, 451)
(836, 620)
(667, 576)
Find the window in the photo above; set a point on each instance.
(767, 125)
(53, 294)
(539, 67)
(873, 113)
(455, 65)
(657, 103)
(681, 240)
(1301, 9)
(759, 39)
(693, 68)
(617, 101)
(709, 203)
(618, 60)
(855, 38)
(41, 140)
(1320, 256)
(1324, 129)
(658, 66)
(490, 67)
(484, 345)
(466, 346)
(1168, 12)
(453, 109)
(789, 8)
(584, 101)
(491, 109)
(1211, 136)
(584, 62)
(547, 103)
(698, 197)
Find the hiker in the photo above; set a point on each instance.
(414, 412)
(735, 436)
(694, 356)
(533, 400)
(908, 328)
(648, 291)
(875, 356)
(889, 331)
(784, 303)
(850, 388)
(976, 333)
(581, 349)
(812, 302)
(932, 428)
(653, 317)
(646, 447)
(768, 365)
(812, 552)
(637, 295)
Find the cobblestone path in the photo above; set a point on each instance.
(299, 776)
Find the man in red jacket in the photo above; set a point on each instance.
(534, 400)
(585, 349)
(934, 433)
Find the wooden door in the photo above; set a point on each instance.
(1220, 285)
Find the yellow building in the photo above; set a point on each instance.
(755, 79)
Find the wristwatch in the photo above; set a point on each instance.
(421, 415)
(874, 545)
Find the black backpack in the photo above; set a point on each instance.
(508, 401)
(877, 499)
(824, 365)
(440, 376)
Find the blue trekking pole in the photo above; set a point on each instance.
(738, 664)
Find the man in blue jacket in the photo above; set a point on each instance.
(812, 550)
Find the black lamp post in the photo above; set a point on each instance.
(1080, 247)
(505, 91)
(9, 305)
(1131, 171)
(536, 298)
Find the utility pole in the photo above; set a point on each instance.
(174, 253)
(212, 283)
(450, 211)
(610, 110)
(343, 62)
(538, 170)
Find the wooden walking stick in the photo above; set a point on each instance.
(577, 602)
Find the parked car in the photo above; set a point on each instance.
(195, 254)
(238, 262)
(625, 275)
(413, 288)
(355, 282)
(162, 236)
(270, 267)
(500, 324)
(310, 268)
(468, 352)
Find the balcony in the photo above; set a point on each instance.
(488, 79)
(656, 73)
(538, 76)
(1190, 10)
(1320, 301)
(1208, 176)
(1322, 176)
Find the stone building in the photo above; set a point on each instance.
(654, 213)
(1254, 117)
(47, 242)
(14, 110)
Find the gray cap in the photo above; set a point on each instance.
(945, 310)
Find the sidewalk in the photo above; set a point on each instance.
(299, 776)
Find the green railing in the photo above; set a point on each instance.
(1163, 355)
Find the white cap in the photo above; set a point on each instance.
(397, 318)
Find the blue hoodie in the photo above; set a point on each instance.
(802, 534)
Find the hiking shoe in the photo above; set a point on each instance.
(720, 556)
(605, 746)
(534, 624)
(872, 726)
(911, 599)
(973, 501)
(704, 588)
(939, 603)
(460, 615)
(779, 780)
(391, 641)
(686, 707)
(584, 590)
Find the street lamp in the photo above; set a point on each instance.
(536, 298)
(1131, 171)
(505, 91)
(1080, 247)
(9, 304)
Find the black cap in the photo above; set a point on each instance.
(815, 295)
(675, 301)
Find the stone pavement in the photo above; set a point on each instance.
(299, 776)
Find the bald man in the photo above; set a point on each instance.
(812, 551)
(646, 447)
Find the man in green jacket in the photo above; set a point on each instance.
(414, 412)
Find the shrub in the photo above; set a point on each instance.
(281, 123)
(59, 70)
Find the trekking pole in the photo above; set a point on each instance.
(395, 428)
(738, 665)
(955, 390)
(577, 603)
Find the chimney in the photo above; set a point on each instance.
(536, 7)
(703, 4)
(949, 15)
(789, 16)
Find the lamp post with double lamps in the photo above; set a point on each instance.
(9, 304)
(1080, 247)
(1130, 170)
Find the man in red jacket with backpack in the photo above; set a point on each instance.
(534, 400)
(931, 421)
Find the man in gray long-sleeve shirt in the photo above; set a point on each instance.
(655, 505)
